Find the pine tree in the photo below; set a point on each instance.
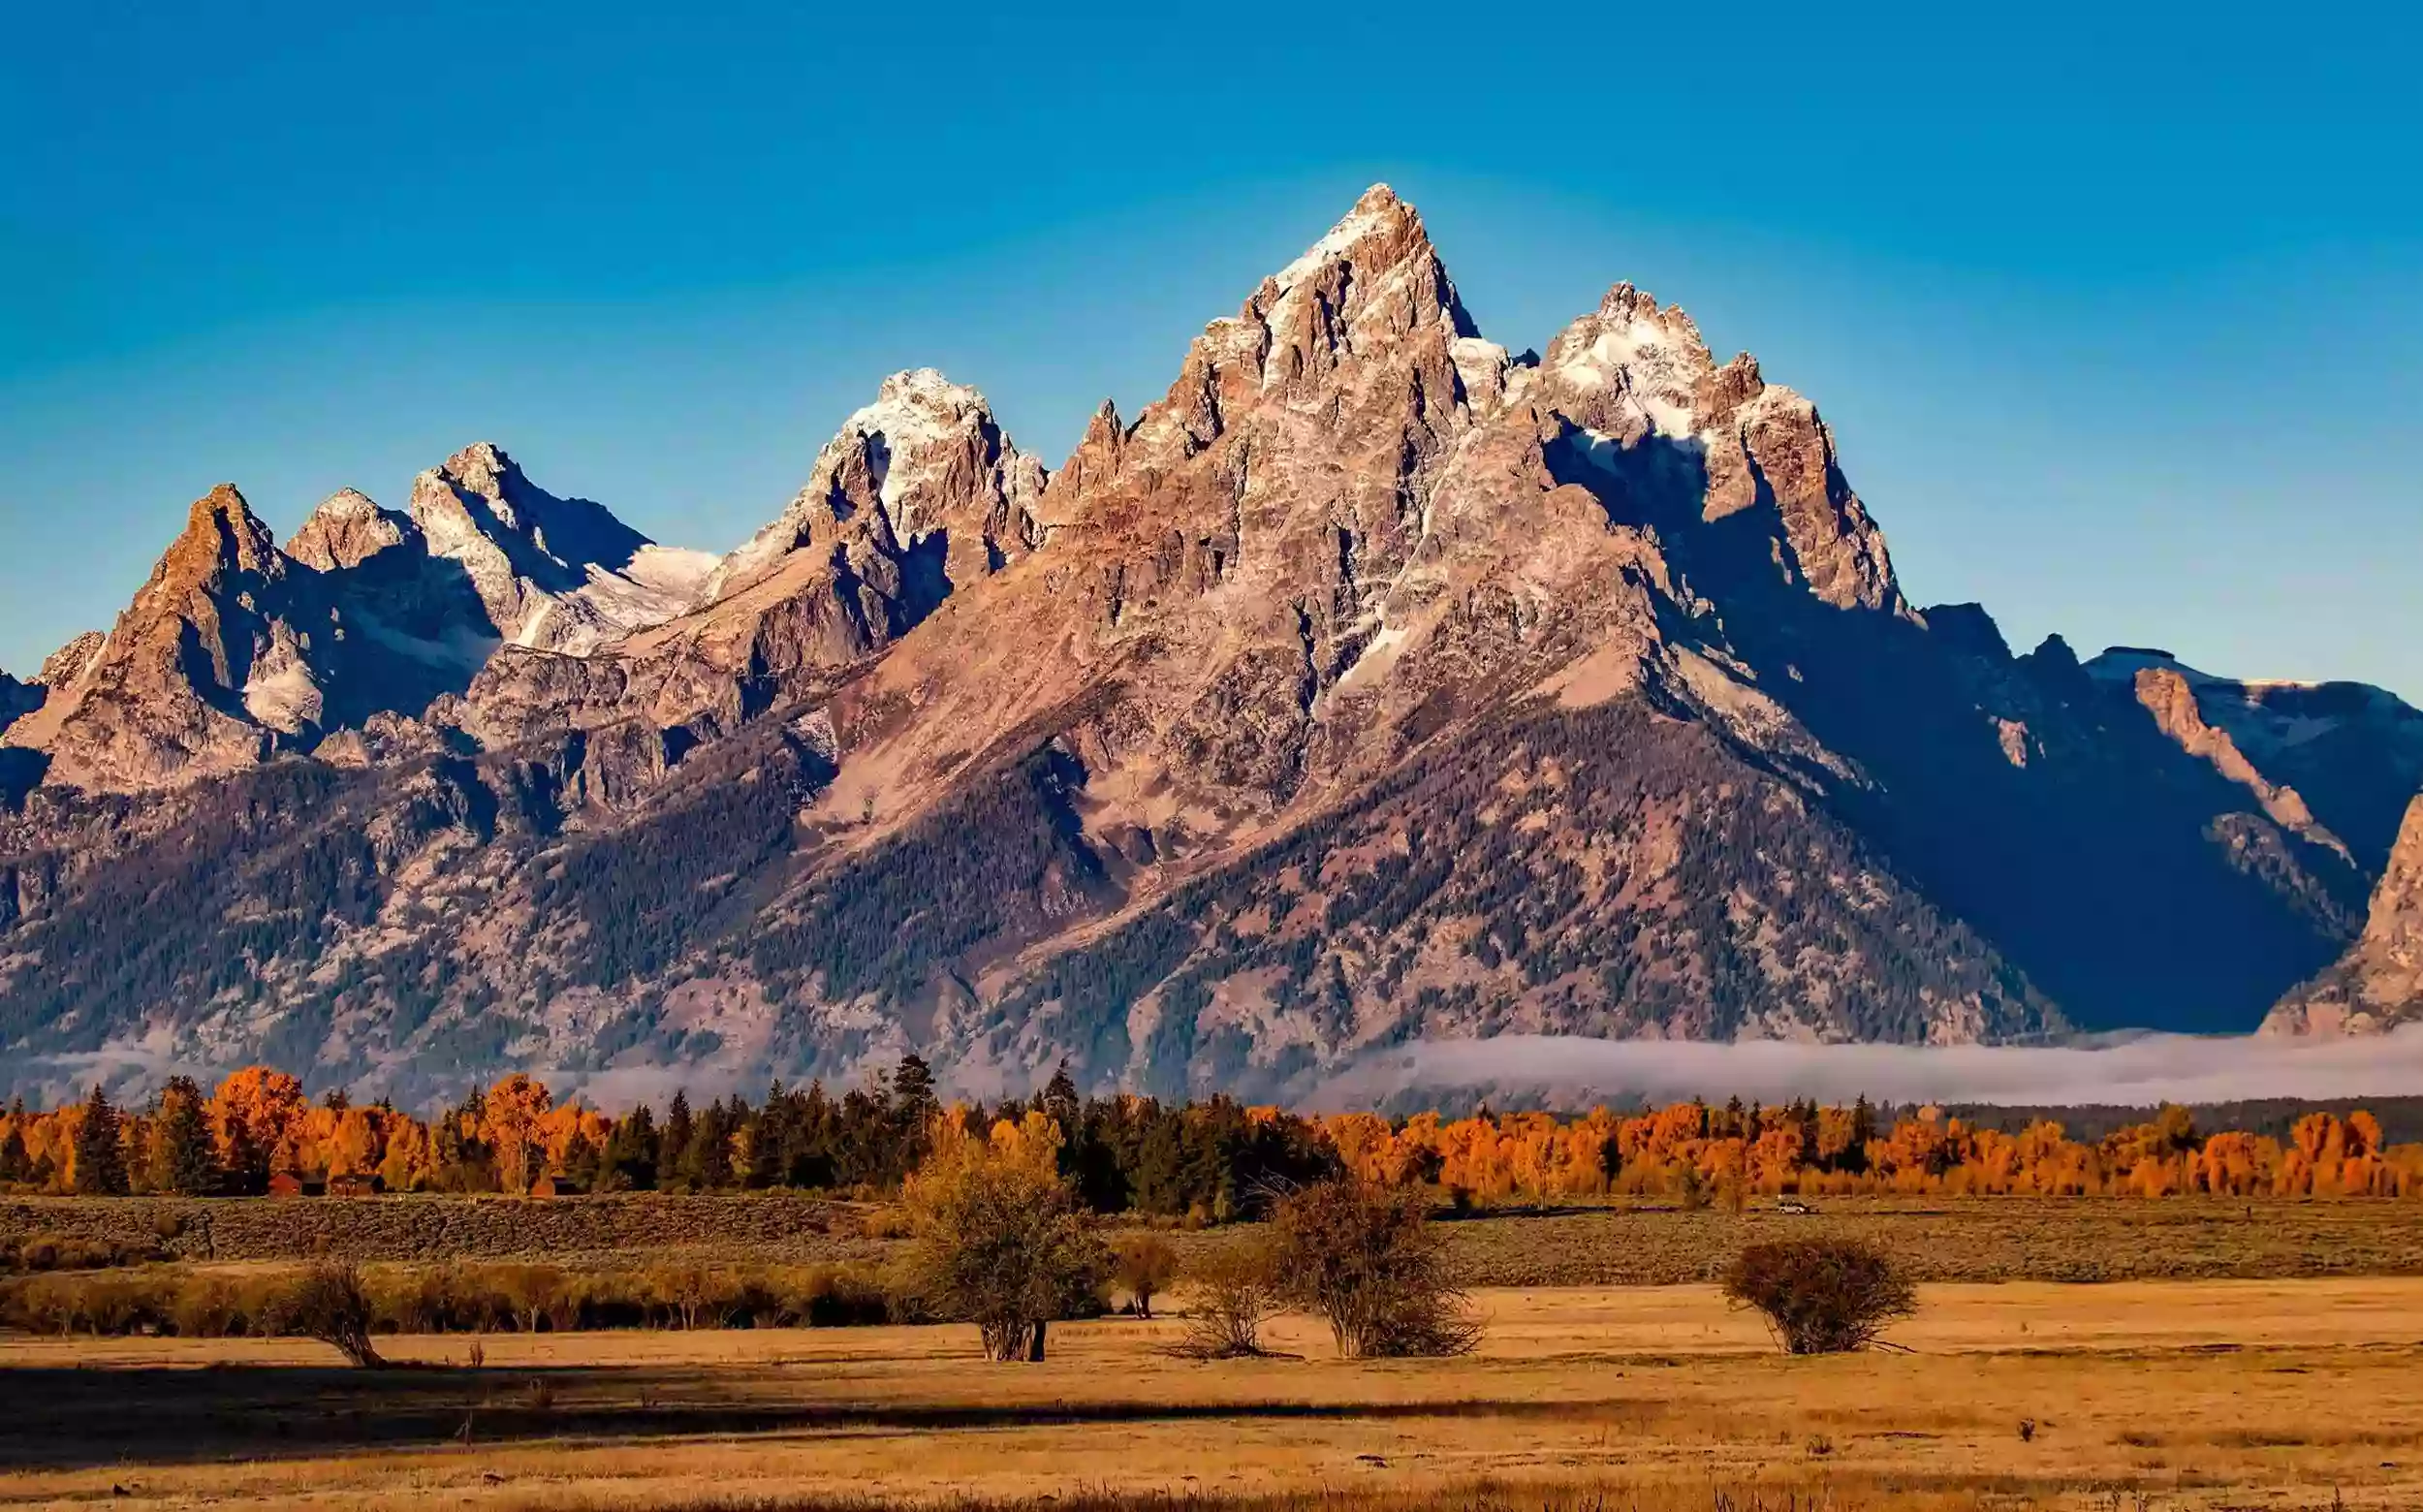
(913, 1091)
(100, 1150)
(581, 1161)
(1059, 1100)
(188, 1165)
(15, 1164)
(913, 1107)
(629, 1162)
(672, 1149)
(706, 1156)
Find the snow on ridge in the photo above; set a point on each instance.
(1360, 222)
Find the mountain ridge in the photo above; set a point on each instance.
(1370, 685)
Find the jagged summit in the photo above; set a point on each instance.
(222, 535)
(553, 574)
(346, 530)
(925, 463)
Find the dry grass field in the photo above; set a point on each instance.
(2179, 1396)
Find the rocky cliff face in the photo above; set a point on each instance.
(553, 574)
(221, 658)
(1369, 684)
(2378, 984)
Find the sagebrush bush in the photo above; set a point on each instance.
(454, 1299)
(1232, 1292)
(1822, 1296)
(1366, 1261)
(1145, 1266)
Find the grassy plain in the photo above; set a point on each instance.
(2182, 1396)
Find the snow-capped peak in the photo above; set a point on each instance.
(1636, 360)
(1380, 212)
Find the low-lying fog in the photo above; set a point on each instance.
(2131, 1070)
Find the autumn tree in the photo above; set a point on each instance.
(1368, 1263)
(100, 1148)
(1000, 1239)
(510, 1117)
(252, 1114)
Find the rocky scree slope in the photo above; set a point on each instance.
(1373, 683)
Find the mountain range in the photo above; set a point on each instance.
(1375, 684)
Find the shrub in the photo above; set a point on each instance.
(533, 1295)
(1822, 1296)
(206, 1306)
(1000, 1243)
(328, 1302)
(1366, 1261)
(1232, 1293)
(1144, 1268)
(40, 1252)
(692, 1295)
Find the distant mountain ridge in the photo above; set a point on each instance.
(1372, 684)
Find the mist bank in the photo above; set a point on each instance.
(2130, 1071)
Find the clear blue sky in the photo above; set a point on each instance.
(2118, 311)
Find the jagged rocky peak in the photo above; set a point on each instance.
(68, 663)
(1630, 369)
(347, 529)
(553, 574)
(2378, 986)
(219, 657)
(222, 536)
(1369, 297)
(1637, 381)
(925, 463)
(1967, 628)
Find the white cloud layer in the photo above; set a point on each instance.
(2130, 1071)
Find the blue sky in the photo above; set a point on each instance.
(2118, 311)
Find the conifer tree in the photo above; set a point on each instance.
(189, 1167)
(15, 1164)
(673, 1147)
(100, 1150)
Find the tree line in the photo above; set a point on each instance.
(1209, 1161)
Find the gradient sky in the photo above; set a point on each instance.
(2117, 311)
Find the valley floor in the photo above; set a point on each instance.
(2178, 1395)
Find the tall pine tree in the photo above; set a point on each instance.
(673, 1147)
(187, 1164)
(100, 1148)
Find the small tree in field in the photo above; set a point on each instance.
(1822, 1296)
(1233, 1291)
(328, 1302)
(999, 1240)
(1366, 1261)
(1146, 1266)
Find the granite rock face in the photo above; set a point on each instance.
(2379, 985)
